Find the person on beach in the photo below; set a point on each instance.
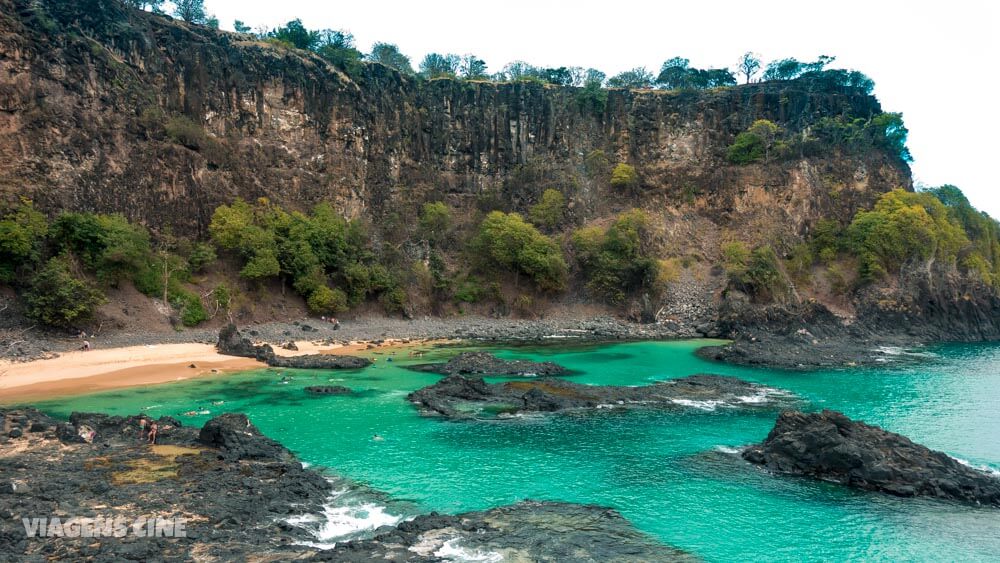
(86, 345)
(152, 433)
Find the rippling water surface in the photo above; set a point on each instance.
(676, 475)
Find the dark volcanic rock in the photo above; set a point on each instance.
(328, 390)
(238, 438)
(319, 361)
(484, 363)
(232, 343)
(832, 447)
(451, 395)
(526, 531)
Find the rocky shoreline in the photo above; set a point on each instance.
(486, 364)
(238, 495)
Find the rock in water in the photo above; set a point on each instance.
(526, 531)
(484, 363)
(832, 447)
(328, 390)
(232, 343)
(239, 439)
(452, 395)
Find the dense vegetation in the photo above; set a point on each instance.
(62, 265)
(907, 228)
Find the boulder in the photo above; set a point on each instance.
(832, 447)
(238, 438)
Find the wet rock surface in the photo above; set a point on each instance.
(526, 531)
(832, 447)
(233, 343)
(457, 396)
(484, 363)
(231, 484)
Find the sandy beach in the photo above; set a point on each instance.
(79, 372)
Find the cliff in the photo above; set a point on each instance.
(92, 96)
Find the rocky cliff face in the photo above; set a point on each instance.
(91, 93)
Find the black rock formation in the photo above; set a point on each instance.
(832, 447)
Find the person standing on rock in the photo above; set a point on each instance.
(142, 428)
(152, 433)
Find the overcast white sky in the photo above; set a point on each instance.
(936, 62)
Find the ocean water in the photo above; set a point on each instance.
(675, 475)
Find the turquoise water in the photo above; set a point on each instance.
(673, 474)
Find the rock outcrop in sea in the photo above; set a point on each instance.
(832, 447)
(233, 343)
(457, 396)
(486, 364)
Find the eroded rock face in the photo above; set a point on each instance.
(486, 364)
(458, 396)
(832, 447)
(526, 531)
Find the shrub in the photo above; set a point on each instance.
(507, 241)
(22, 235)
(58, 298)
(617, 261)
(756, 272)
(549, 211)
(201, 255)
(754, 144)
(325, 300)
(189, 306)
(624, 177)
(107, 244)
(183, 131)
(435, 221)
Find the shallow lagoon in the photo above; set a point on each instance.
(673, 474)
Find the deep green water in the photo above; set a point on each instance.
(673, 474)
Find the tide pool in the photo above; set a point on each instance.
(674, 474)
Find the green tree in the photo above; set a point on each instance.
(748, 65)
(241, 27)
(58, 298)
(471, 67)
(155, 6)
(618, 260)
(636, 78)
(624, 177)
(191, 11)
(435, 221)
(507, 241)
(325, 301)
(389, 55)
(295, 34)
(592, 97)
(22, 236)
(754, 144)
(548, 213)
(436, 65)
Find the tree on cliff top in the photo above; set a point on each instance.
(748, 65)
(191, 11)
(636, 78)
(436, 65)
(389, 55)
